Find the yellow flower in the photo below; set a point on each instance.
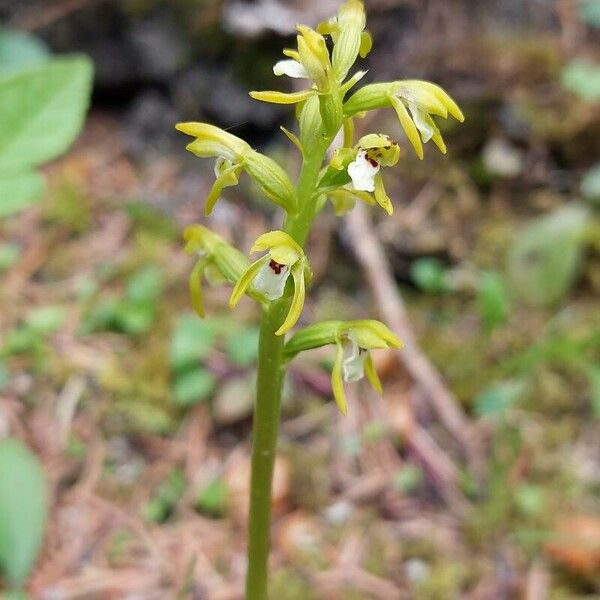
(269, 274)
(232, 155)
(414, 102)
(354, 341)
(218, 262)
(358, 171)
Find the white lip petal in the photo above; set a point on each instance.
(362, 172)
(419, 117)
(291, 68)
(353, 365)
(221, 164)
(271, 283)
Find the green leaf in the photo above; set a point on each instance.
(23, 510)
(590, 12)
(242, 347)
(582, 79)
(47, 319)
(429, 275)
(192, 340)
(529, 498)
(146, 285)
(590, 185)
(545, 257)
(497, 399)
(212, 500)
(41, 112)
(408, 479)
(193, 387)
(19, 191)
(492, 301)
(20, 50)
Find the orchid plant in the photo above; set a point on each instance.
(278, 279)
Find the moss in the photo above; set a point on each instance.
(68, 208)
(139, 385)
(445, 580)
(287, 584)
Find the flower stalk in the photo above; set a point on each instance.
(279, 278)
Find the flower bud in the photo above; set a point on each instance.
(311, 124)
(330, 107)
(351, 22)
(273, 180)
(314, 56)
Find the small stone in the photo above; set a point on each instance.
(233, 402)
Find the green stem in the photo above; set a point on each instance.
(268, 392)
(266, 427)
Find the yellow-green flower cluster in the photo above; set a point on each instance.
(324, 108)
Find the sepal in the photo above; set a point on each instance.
(273, 180)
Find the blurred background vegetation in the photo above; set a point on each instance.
(134, 415)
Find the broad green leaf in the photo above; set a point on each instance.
(193, 387)
(41, 112)
(545, 257)
(20, 50)
(19, 191)
(23, 510)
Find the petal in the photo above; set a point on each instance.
(271, 279)
(282, 97)
(369, 333)
(226, 177)
(353, 365)
(371, 374)
(282, 247)
(337, 383)
(441, 95)
(366, 43)
(381, 195)
(408, 125)
(422, 121)
(362, 172)
(297, 301)
(246, 279)
(291, 68)
(195, 285)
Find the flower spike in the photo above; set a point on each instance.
(269, 274)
